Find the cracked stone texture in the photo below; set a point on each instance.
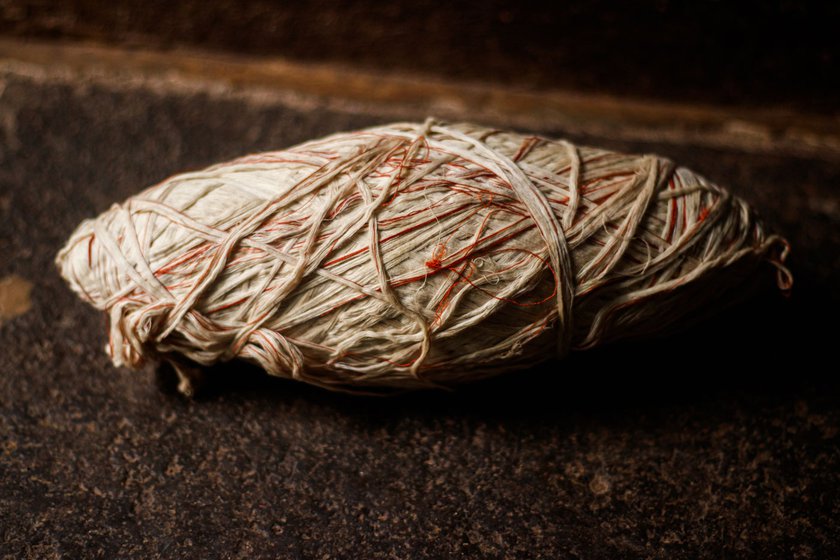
(719, 441)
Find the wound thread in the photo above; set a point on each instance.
(412, 255)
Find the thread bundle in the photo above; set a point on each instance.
(411, 255)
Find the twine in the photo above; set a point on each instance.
(411, 255)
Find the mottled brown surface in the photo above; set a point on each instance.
(724, 445)
(774, 130)
(14, 297)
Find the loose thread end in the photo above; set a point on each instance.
(190, 379)
(777, 255)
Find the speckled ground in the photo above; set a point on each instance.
(717, 442)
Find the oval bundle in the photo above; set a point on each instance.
(411, 255)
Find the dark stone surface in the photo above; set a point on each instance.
(744, 53)
(717, 442)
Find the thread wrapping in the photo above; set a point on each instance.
(412, 255)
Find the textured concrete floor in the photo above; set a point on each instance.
(717, 442)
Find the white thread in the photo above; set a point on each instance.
(410, 255)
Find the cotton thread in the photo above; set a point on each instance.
(411, 255)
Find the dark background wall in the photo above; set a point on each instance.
(745, 53)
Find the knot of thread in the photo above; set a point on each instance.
(411, 255)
